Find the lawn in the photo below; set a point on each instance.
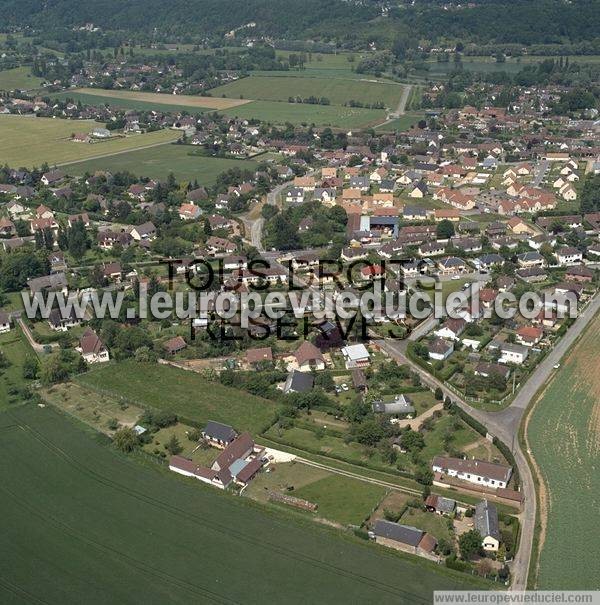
(19, 78)
(303, 113)
(185, 393)
(433, 524)
(564, 436)
(158, 162)
(30, 142)
(405, 122)
(338, 90)
(342, 499)
(90, 525)
(16, 349)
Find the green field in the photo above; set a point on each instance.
(29, 141)
(185, 393)
(338, 90)
(88, 525)
(341, 499)
(564, 436)
(158, 162)
(18, 78)
(303, 113)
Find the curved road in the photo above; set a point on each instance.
(505, 424)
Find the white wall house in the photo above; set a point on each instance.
(479, 472)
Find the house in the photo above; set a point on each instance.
(112, 271)
(7, 227)
(92, 349)
(294, 195)
(308, 357)
(61, 322)
(519, 226)
(579, 274)
(299, 382)
(356, 356)
(530, 259)
(488, 261)
(451, 265)
(568, 255)
(256, 357)
(440, 505)
(451, 329)
(189, 212)
(4, 322)
(217, 434)
(79, 218)
(174, 345)
(404, 537)
(487, 369)
(440, 349)
(480, 472)
(529, 335)
(486, 523)
(419, 190)
(399, 404)
(57, 282)
(513, 353)
(145, 231)
(53, 177)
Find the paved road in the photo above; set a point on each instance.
(540, 173)
(505, 425)
(401, 108)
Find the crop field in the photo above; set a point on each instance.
(18, 78)
(304, 113)
(88, 525)
(29, 142)
(564, 436)
(338, 90)
(157, 162)
(184, 393)
(189, 101)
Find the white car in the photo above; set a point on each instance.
(455, 277)
(344, 386)
(556, 366)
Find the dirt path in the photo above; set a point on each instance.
(420, 419)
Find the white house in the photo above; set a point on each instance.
(486, 523)
(92, 349)
(510, 353)
(568, 255)
(4, 323)
(480, 472)
(356, 356)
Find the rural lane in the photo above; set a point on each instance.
(505, 425)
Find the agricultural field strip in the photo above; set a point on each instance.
(218, 527)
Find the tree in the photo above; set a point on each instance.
(439, 394)
(470, 544)
(173, 446)
(412, 441)
(126, 439)
(445, 229)
(31, 367)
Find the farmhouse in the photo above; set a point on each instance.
(486, 523)
(480, 472)
(404, 537)
(440, 505)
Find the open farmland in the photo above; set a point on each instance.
(19, 78)
(153, 98)
(184, 393)
(564, 436)
(338, 90)
(158, 162)
(15, 349)
(29, 142)
(304, 113)
(89, 525)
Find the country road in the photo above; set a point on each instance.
(505, 425)
(401, 107)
